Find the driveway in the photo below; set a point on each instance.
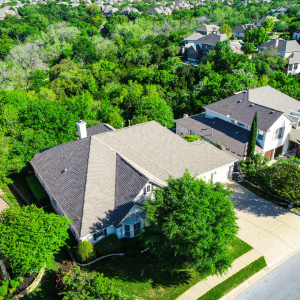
(270, 229)
(3, 204)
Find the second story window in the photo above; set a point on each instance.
(241, 124)
(278, 134)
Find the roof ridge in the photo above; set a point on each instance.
(134, 151)
(87, 167)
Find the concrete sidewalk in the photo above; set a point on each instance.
(205, 285)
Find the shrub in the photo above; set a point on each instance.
(21, 279)
(5, 282)
(14, 284)
(36, 188)
(11, 291)
(1, 298)
(108, 245)
(192, 138)
(65, 267)
(3, 290)
(85, 251)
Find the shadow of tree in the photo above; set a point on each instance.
(141, 268)
(248, 202)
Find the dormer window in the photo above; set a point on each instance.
(148, 188)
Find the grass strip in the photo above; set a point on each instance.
(36, 188)
(260, 193)
(229, 284)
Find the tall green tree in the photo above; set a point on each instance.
(29, 236)
(252, 138)
(191, 224)
(269, 24)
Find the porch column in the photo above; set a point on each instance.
(273, 154)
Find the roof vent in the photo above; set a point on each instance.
(65, 170)
(239, 101)
(228, 116)
(272, 112)
(251, 105)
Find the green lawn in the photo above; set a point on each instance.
(139, 274)
(229, 284)
(36, 188)
(264, 195)
(11, 198)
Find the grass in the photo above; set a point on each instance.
(36, 188)
(229, 284)
(264, 195)
(139, 274)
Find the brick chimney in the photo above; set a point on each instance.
(81, 125)
(276, 43)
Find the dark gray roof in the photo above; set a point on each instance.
(243, 28)
(212, 39)
(67, 187)
(101, 128)
(229, 135)
(244, 110)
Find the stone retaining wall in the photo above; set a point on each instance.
(32, 286)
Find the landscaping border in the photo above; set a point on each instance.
(33, 285)
(19, 194)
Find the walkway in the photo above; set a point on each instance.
(271, 230)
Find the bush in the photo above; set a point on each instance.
(21, 279)
(192, 138)
(3, 290)
(14, 284)
(1, 298)
(85, 251)
(36, 188)
(109, 245)
(11, 291)
(5, 282)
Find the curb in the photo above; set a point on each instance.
(259, 275)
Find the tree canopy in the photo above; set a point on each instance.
(191, 224)
(29, 237)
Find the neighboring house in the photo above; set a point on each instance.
(240, 31)
(106, 10)
(208, 29)
(194, 49)
(287, 49)
(278, 11)
(127, 10)
(296, 34)
(229, 122)
(259, 23)
(101, 181)
(7, 11)
(154, 11)
(246, 3)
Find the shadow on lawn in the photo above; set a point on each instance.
(141, 268)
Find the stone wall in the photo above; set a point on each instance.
(32, 286)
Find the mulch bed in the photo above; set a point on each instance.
(28, 279)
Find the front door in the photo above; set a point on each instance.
(268, 154)
(278, 151)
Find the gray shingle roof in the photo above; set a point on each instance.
(212, 39)
(244, 110)
(207, 28)
(95, 191)
(294, 58)
(68, 188)
(192, 37)
(282, 46)
(229, 135)
(101, 128)
(243, 28)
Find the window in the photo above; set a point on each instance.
(192, 51)
(295, 66)
(137, 228)
(192, 132)
(99, 234)
(232, 121)
(127, 230)
(260, 136)
(290, 67)
(241, 124)
(278, 134)
(148, 188)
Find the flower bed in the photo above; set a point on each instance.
(16, 285)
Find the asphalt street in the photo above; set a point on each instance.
(281, 284)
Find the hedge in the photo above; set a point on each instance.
(85, 252)
(36, 188)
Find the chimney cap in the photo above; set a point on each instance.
(81, 122)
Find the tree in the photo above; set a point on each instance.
(249, 48)
(225, 28)
(29, 236)
(269, 24)
(155, 108)
(191, 224)
(256, 36)
(252, 138)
